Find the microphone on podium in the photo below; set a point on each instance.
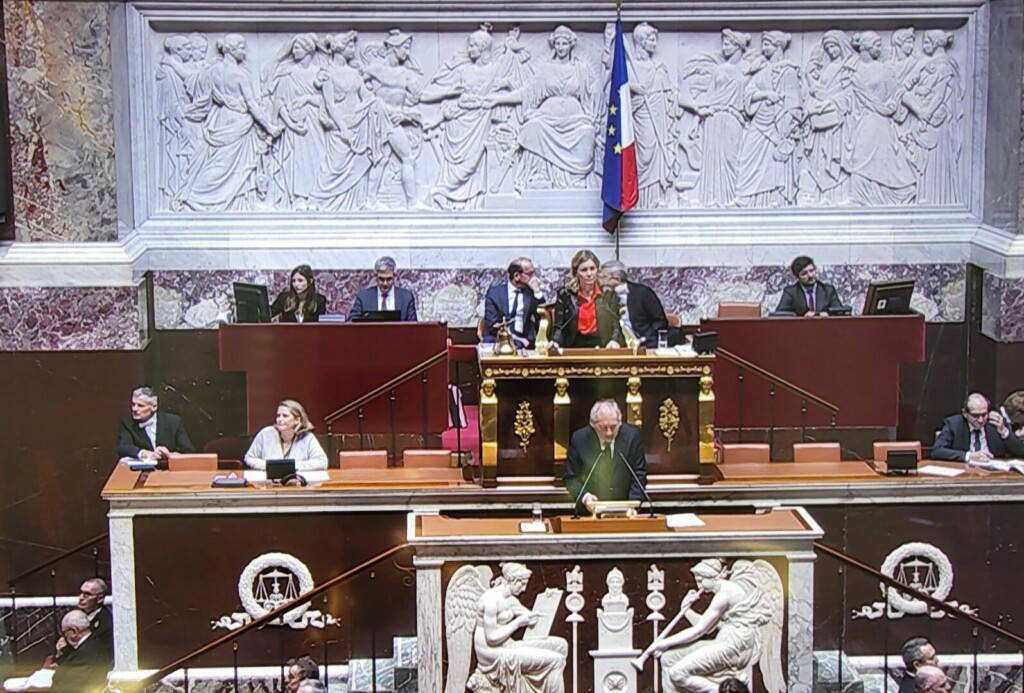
(583, 490)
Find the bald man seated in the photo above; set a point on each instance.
(977, 434)
(931, 679)
(607, 457)
(83, 660)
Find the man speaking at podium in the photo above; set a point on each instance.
(607, 457)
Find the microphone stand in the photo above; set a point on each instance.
(643, 489)
(576, 505)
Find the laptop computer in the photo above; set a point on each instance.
(279, 469)
(378, 316)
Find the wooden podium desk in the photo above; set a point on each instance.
(783, 537)
(326, 366)
(530, 405)
(853, 362)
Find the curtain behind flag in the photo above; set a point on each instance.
(619, 187)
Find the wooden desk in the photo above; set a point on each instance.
(797, 471)
(530, 405)
(853, 362)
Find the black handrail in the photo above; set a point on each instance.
(917, 594)
(741, 362)
(389, 385)
(85, 544)
(262, 620)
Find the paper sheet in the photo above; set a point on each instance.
(546, 605)
(255, 475)
(683, 520)
(936, 470)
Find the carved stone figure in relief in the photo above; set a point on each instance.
(467, 86)
(935, 96)
(175, 81)
(481, 616)
(746, 610)
(290, 84)
(767, 162)
(514, 69)
(713, 89)
(557, 139)
(653, 102)
(905, 64)
(356, 125)
(879, 166)
(827, 103)
(223, 175)
(396, 78)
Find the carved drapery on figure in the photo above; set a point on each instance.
(335, 122)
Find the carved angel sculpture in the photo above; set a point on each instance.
(483, 619)
(747, 612)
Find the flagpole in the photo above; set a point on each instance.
(618, 18)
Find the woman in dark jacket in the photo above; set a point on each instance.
(584, 315)
(299, 302)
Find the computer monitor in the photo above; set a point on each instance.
(378, 316)
(889, 298)
(251, 303)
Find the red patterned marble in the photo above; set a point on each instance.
(70, 319)
(1002, 308)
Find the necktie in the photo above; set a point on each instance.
(517, 322)
(810, 301)
(384, 300)
(976, 443)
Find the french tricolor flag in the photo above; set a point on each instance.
(619, 188)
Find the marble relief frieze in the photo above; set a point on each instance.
(371, 120)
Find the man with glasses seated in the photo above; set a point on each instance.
(978, 434)
(385, 295)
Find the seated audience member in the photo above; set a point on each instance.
(931, 679)
(290, 438)
(311, 686)
(917, 652)
(147, 435)
(644, 313)
(609, 445)
(385, 296)
(300, 670)
(808, 296)
(584, 316)
(732, 685)
(516, 301)
(90, 601)
(299, 302)
(977, 434)
(82, 661)
(1014, 406)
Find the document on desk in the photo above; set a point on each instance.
(683, 521)
(936, 470)
(545, 606)
(252, 475)
(1000, 465)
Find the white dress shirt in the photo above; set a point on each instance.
(386, 302)
(518, 318)
(623, 295)
(150, 428)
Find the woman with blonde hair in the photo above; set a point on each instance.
(584, 316)
(291, 437)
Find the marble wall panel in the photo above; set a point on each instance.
(197, 299)
(1002, 308)
(61, 120)
(72, 319)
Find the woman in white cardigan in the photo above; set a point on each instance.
(290, 438)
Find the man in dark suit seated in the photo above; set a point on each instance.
(644, 314)
(90, 601)
(613, 450)
(516, 301)
(917, 652)
(977, 434)
(147, 435)
(82, 660)
(385, 295)
(808, 296)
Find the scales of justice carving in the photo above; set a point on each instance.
(741, 628)
(341, 122)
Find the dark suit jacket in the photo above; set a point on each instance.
(955, 440)
(908, 684)
(368, 299)
(496, 309)
(170, 432)
(277, 308)
(646, 314)
(611, 480)
(793, 299)
(83, 669)
(567, 313)
(103, 628)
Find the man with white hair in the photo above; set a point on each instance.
(311, 686)
(644, 313)
(148, 436)
(978, 434)
(607, 457)
(83, 663)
